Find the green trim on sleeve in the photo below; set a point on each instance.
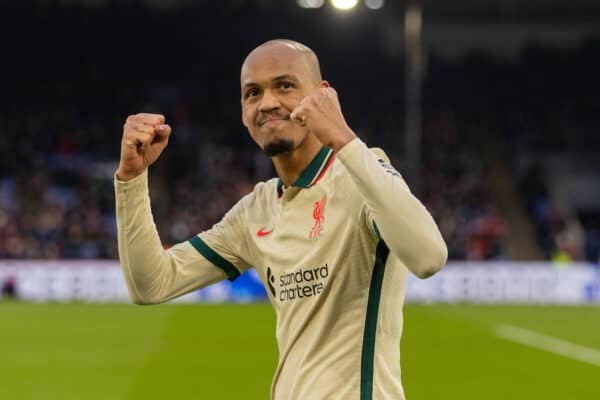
(368, 347)
(215, 258)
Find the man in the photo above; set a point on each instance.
(332, 239)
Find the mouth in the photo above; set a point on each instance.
(272, 120)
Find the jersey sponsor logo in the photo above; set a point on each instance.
(262, 232)
(271, 282)
(319, 217)
(297, 285)
(388, 167)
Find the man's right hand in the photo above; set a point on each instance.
(145, 136)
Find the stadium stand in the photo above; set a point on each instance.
(61, 128)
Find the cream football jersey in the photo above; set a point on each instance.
(333, 251)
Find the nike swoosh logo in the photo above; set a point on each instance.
(260, 232)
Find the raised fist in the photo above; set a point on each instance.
(145, 136)
(321, 113)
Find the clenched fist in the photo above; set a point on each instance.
(321, 113)
(145, 136)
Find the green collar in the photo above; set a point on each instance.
(313, 171)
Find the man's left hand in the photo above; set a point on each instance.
(321, 113)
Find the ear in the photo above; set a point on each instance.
(325, 84)
(243, 116)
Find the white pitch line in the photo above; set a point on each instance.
(549, 344)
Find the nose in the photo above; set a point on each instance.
(268, 102)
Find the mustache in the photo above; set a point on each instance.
(272, 116)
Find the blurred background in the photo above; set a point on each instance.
(490, 110)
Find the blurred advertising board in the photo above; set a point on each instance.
(495, 282)
(102, 281)
(508, 282)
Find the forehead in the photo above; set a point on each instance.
(266, 63)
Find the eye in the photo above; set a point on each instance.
(251, 93)
(286, 85)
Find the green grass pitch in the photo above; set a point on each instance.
(80, 351)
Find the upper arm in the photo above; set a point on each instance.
(225, 244)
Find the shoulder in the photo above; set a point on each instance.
(261, 194)
(380, 154)
(264, 189)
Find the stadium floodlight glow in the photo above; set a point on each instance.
(374, 4)
(310, 3)
(413, 21)
(344, 4)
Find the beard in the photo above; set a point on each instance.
(277, 147)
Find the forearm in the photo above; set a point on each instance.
(153, 275)
(403, 222)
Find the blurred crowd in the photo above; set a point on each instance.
(56, 199)
(458, 191)
(62, 124)
(558, 120)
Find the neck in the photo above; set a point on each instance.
(290, 165)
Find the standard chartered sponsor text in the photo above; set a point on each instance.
(302, 283)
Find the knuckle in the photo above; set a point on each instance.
(150, 118)
(143, 117)
(141, 127)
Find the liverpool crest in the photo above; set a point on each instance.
(319, 217)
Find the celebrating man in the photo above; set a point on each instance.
(332, 238)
